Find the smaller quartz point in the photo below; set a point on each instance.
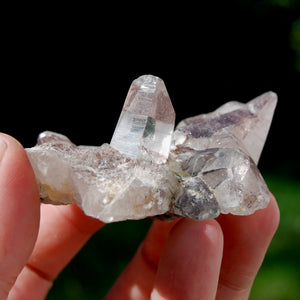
(207, 166)
(233, 125)
(146, 124)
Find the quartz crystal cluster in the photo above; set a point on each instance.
(205, 167)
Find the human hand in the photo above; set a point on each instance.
(184, 259)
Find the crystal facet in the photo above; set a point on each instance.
(233, 125)
(146, 124)
(229, 177)
(207, 166)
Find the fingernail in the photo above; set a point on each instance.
(3, 147)
(156, 296)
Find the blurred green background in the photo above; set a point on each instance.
(67, 68)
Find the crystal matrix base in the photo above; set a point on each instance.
(207, 166)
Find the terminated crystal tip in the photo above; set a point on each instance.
(233, 125)
(146, 123)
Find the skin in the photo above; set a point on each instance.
(184, 259)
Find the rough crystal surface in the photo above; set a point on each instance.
(209, 169)
(146, 123)
(106, 184)
(233, 125)
(229, 177)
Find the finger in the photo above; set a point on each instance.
(63, 231)
(246, 241)
(136, 281)
(190, 262)
(19, 213)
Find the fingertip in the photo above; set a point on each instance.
(16, 174)
(11, 143)
(274, 211)
(19, 213)
(247, 239)
(191, 230)
(264, 222)
(15, 163)
(191, 260)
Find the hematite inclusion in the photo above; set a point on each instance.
(207, 166)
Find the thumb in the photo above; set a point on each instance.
(19, 211)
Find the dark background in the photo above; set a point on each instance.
(68, 69)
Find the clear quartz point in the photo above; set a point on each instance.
(146, 123)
